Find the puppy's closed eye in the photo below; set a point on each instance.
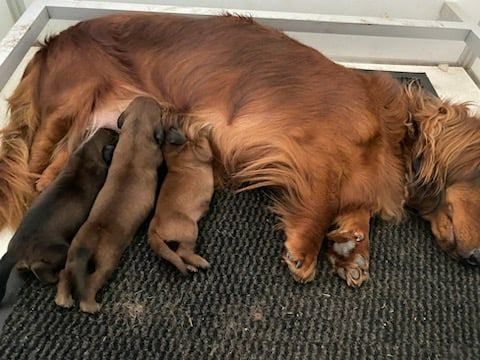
(176, 137)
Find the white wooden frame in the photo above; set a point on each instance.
(456, 26)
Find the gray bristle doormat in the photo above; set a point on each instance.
(418, 303)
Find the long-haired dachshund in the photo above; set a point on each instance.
(120, 208)
(41, 242)
(328, 138)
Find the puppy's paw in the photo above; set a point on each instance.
(194, 261)
(90, 307)
(64, 300)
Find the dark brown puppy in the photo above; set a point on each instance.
(41, 242)
(184, 197)
(121, 206)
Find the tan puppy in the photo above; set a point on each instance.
(121, 206)
(184, 197)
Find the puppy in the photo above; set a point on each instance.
(41, 242)
(184, 198)
(121, 206)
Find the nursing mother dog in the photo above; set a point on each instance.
(332, 141)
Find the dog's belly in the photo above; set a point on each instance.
(107, 115)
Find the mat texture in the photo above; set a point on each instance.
(417, 304)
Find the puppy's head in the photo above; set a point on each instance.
(98, 149)
(45, 262)
(189, 145)
(144, 116)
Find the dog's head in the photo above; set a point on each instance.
(145, 116)
(98, 149)
(445, 173)
(45, 261)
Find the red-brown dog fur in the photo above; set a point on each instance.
(328, 138)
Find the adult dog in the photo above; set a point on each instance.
(332, 140)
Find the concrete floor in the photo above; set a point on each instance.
(451, 83)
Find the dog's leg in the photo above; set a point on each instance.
(48, 136)
(105, 266)
(64, 292)
(348, 246)
(60, 158)
(186, 250)
(305, 227)
(160, 248)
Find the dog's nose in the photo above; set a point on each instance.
(474, 258)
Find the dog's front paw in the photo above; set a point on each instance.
(90, 307)
(348, 255)
(303, 267)
(42, 183)
(64, 300)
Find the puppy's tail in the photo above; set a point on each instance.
(7, 262)
(16, 182)
(160, 247)
(80, 269)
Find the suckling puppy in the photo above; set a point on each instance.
(41, 242)
(121, 206)
(184, 197)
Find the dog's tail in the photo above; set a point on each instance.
(80, 263)
(7, 262)
(16, 182)
(160, 248)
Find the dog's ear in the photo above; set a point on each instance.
(44, 272)
(121, 120)
(176, 137)
(107, 153)
(159, 135)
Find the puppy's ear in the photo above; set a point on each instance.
(107, 153)
(159, 135)
(44, 272)
(176, 137)
(121, 120)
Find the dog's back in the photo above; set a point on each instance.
(41, 242)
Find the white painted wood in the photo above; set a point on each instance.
(298, 24)
(286, 21)
(20, 38)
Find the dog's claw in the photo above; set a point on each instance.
(298, 264)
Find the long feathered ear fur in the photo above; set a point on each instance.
(447, 148)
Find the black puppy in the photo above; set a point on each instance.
(42, 240)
